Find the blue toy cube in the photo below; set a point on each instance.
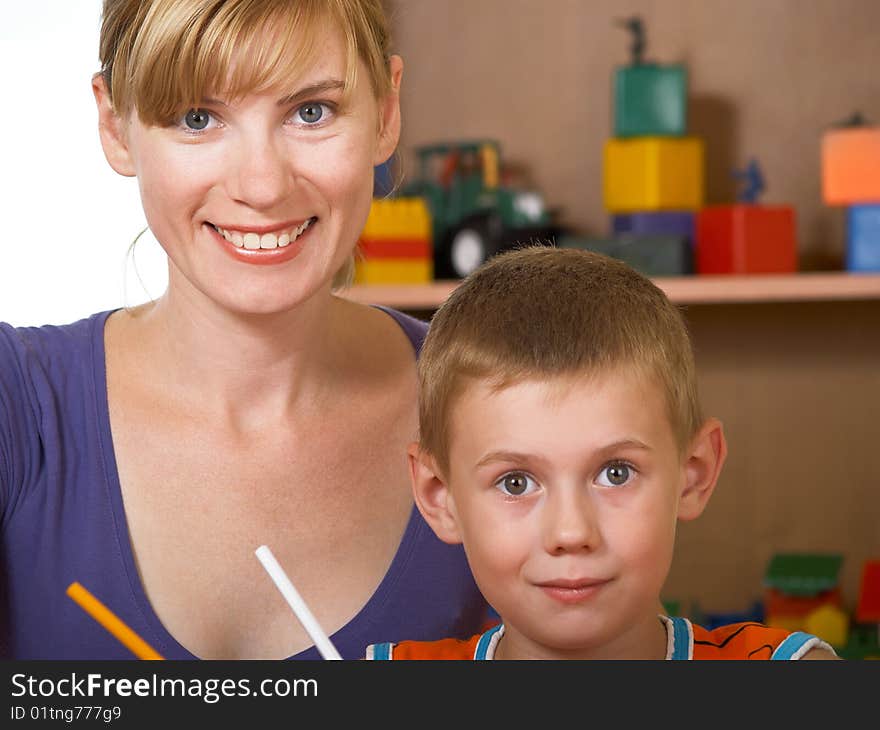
(655, 223)
(650, 100)
(863, 238)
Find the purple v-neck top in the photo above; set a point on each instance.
(62, 519)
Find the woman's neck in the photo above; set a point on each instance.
(239, 367)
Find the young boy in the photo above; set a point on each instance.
(561, 441)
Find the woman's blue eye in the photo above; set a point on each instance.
(615, 475)
(311, 113)
(516, 484)
(197, 119)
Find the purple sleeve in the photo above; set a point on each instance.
(18, 419)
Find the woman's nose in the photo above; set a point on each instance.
(570, 522)
(261, 176)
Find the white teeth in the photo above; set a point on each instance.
(254, 241)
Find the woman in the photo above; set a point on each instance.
(146, 453)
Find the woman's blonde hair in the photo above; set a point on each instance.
(544, 312)
(162, 57)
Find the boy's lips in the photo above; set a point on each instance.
(572, 590)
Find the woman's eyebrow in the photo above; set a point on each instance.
(320, 87)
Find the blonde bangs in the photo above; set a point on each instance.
(190, 51)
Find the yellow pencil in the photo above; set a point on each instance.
(110, 621)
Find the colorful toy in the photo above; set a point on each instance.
(746, 237)
(863, 641)
(851, 164)
(863, 238)
(755, 613)
(868, 607)
(754, 182)
(396, 244)
(653, 173)
(652, 255)
(649, 99)
(796, 584)
(830, 622)
(475, 215)
(662, 223)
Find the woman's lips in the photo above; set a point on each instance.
(264, 256)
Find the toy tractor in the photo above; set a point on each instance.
(474, 214)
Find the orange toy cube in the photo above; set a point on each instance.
(851, 166)
(746, 239)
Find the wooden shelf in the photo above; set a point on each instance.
(807, 286)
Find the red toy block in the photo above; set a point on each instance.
(851, 166)
(868, 609)
(746, 239)
(777, 603)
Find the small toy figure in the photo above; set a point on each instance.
(856, 119)
(636, 26)
(754, 182)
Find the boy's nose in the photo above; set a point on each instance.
(260, 175)
(570, 522)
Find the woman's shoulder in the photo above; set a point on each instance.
(48, 341)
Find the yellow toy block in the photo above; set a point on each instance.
(403, 217)
(828, 622)
(653, 173)
(789, 623)
(393, 271)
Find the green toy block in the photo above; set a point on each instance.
(651, 255)
(650, 100)
(803, 574)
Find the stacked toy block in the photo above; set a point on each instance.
(851, 178)
(746, 238)
(396, 244)
(653, 172)
(802, 593)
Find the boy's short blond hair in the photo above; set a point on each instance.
(160, 58)
(542, 312)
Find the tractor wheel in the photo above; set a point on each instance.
(467, 247)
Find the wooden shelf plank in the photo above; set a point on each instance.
(721, 289)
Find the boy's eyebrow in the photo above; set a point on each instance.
(507, 456)
(517, 456)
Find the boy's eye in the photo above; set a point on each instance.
(196, 119)
(516, 484)
(311, 113)
(615, 475)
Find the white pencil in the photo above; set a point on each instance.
(310, 624)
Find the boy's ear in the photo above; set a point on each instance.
(704, 459)
(112, 130)
(432, 495)
(389, 114)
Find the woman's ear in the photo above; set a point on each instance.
(389, 114)
(432, 495)
(704, 459)
(112, 130)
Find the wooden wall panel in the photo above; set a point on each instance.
(797, 387)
